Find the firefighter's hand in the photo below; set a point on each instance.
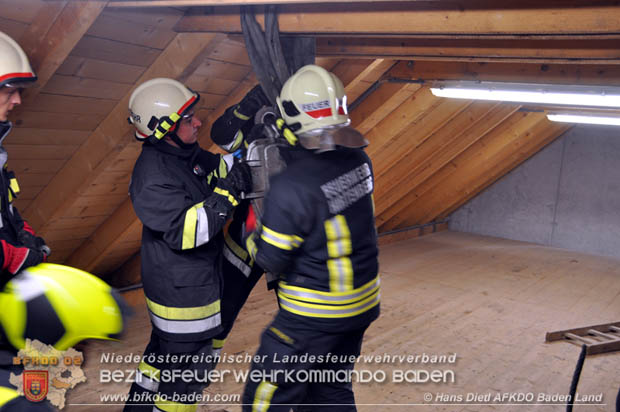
(34, 242)
(252, 102)
(16, 258)
(239, 179)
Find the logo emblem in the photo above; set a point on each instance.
(35, 385)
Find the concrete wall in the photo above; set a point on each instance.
(567, 195)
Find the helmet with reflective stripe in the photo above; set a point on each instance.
(313, 98)
(60, 306)
(157, 105)
(15, 70)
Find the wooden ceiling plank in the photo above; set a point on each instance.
(507, 72)
(360, 83)
(416, 134)
(108, 139)
(457, 17)
(385, 99)
(570, 49)
(115, 51)
(547, 133)
(61, 37)
(28, 136)
(471, 163)
(473, 178)
(430, 159)
(56, 103)
(72, 121)
(20, 10)
(433, 154)
(395, 122)
(104, 238)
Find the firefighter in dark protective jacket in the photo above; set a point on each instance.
(183, 195)
(318, 233)
(20, 247)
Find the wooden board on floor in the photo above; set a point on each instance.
(490, 301)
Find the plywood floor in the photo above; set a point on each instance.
(488, 300)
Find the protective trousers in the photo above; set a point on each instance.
(237, 288)
(304, 367)
(171, 376)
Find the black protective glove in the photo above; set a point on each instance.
(34, 242)
(238, 180)
(252, 102)
(16, 258)
(227, 193)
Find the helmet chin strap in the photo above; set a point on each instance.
(175, 138)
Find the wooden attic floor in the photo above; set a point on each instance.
(488, 300)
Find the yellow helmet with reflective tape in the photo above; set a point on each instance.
(313, 98)
(157, 105)
(15, 70)
(60, 306)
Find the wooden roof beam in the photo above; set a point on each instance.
(461, 17)
(566, 49)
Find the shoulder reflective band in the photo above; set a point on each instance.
(148, 377)
(263, 395)
(7, 395)
(328, 311)
(167, 405)
(280, 240)
(227, 195)
(185, 320)
(332, 298)
(195, 227)
(339, 249)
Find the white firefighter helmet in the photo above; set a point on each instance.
(157, 105)
(313, 98)
(15, 70)
(60, 306)
(314, 106)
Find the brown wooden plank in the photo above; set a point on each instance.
(19, 10)
(27, 180)
(72, 121)
(457, 17)
(211, 85)
(36, 165)
(452, 139)
(541, 50)
(69, 25)
(416, 134)
(55, 103)
(115, 51)
(394, 123)
(28, 136)
(76, 86)
(112, 28)
(105, 238)
(223, 70)
(164, 18)
(477, 167)
(510, 72)
(371, 73)
(231, 52)
(100, 69)
(375, 107)
(18, 152)
(15, 29)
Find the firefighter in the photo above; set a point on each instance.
(21, 248)
(232, 132)
(183, 196)
(318, 234)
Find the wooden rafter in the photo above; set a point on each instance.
(474, 17)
